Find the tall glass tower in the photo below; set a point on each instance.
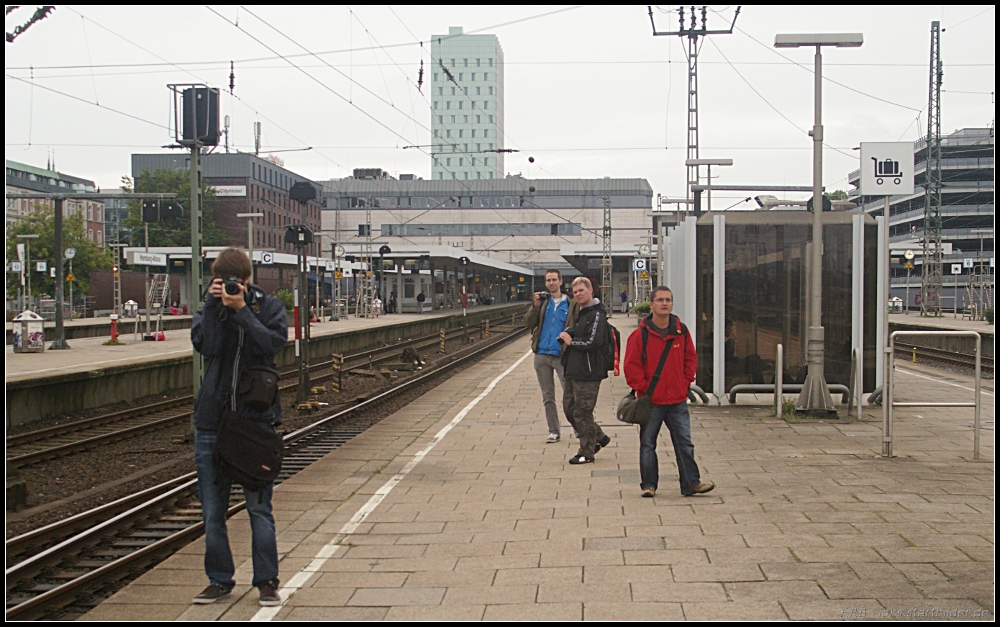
(467, 106)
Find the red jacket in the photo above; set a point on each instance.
(679, 370)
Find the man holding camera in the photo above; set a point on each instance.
(237, 328)
(547, 319)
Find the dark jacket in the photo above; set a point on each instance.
(256, 333)
(678, 371)
(535, 318)
(582, 358)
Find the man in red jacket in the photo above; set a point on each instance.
(646, 344)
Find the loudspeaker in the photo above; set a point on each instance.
(200, 115)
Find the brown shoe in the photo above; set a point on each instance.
(648, 493)
(701, 488)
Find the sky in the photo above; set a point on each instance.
(589, 91)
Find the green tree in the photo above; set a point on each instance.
(88, 256)
(172, 231)
(837, 194)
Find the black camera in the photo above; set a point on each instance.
(543, 295)
(232, 286)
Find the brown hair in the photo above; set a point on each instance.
(657, 290)
(232, 262)
(555, 272)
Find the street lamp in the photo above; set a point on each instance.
(250, 217)
(815, 395)
(709, 163)
(25, 269)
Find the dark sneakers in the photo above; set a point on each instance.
(211, 594)
(269, 596)
(701, 488)
(581, 459)
(602, 443)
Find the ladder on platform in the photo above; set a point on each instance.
(159, 294)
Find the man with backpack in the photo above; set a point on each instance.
(585, 359)
(239, 330)
(658, 332)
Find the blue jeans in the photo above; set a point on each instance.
(214, 493)
(678, 422)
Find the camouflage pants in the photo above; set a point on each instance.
(579, 400)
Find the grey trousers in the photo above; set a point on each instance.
(545, 365)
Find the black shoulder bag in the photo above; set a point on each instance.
(247, 452)
(635, 411)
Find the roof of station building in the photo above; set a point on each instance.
(511, 185)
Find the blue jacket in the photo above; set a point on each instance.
(553, 323)
(256, 336)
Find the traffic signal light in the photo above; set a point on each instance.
(464, 260)
(172, 209)
(150, 211)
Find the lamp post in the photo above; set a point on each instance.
(249, 217)
(26, 268)
(815, 395)
(709, 163)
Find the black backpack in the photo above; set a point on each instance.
(247, 452)
(612, 348)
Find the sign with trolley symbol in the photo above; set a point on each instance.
(887, 169)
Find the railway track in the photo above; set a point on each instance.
(82, 559)
(951, 358)
(43, 444)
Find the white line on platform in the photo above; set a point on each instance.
(910, 372)
(330, 549)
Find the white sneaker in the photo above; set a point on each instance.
(553, 437)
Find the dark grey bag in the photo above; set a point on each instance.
(633, 410)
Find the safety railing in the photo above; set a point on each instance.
(888, 402)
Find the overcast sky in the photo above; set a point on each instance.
(590, 92)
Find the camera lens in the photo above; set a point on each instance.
(232, 286)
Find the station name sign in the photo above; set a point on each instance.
(139, 258)
(230, 191)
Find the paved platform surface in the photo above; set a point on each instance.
(451, 510)
(85, 354)
(945, 323)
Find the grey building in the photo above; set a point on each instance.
(968, 214)
(245, 183)
(514, 219)
(23, 178)
(466, 106)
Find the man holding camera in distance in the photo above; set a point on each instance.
(546, 319)
(238, 329)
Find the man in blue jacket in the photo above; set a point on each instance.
(547, 319)
(234, 332)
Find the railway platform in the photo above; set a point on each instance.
(455, 508)
(92, 374)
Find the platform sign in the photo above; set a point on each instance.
(886, 168)
(956, 268)
(140, 258)
(70, 277)
(41, 266)
(968, 262)
(643, 275)
(331, 266)
(339, 275)
(267, 258)
(15, 266)
(639, 264)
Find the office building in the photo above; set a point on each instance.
(245, 183)
(466, 106)
(536, 223)
(24, 178)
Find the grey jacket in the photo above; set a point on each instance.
(256, 333)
